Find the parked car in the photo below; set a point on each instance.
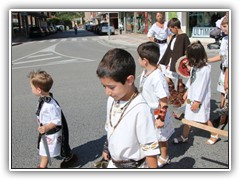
(52, 29)
(36, 32)
(60, 27)
(46, 31)
(89, 26)
(102, 28)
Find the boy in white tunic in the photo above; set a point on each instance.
(199, 91)
(51, 121)
(154, 89)
(131, 139)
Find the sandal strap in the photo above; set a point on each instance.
(164, 160)
(215, 137)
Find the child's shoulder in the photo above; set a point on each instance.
(51, 104)
(157, 76)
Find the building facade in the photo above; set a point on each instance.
(195, 23)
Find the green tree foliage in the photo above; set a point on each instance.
(65, 18)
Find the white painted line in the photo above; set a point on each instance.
(43, 50)
(51, 64)
(53, 40)
(42, 41)
(40, 55)
(45, 59)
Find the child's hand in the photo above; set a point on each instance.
(159, 123)
(185, 95)
(195, 106)
(42, 129)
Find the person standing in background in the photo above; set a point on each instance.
(160, 34)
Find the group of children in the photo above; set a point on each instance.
(138, 121)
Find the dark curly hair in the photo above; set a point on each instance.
(196, 55)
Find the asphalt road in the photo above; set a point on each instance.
(72, 62)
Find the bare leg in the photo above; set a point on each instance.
(213, 137)
(43, 162)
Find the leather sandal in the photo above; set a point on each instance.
(165, 161)
(180, 140)
(210, 141)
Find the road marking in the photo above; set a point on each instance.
(69, 61)
(53, 40)
(50, 51)
(40, 55)
(45, 59)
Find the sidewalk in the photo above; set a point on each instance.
(134, 40)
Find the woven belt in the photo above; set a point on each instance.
(160, 41)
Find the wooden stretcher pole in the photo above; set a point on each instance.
(205, 127)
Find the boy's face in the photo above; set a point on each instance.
(224, 28)
(142, 62)
(174, 29)
(117, 90)
(35, 91)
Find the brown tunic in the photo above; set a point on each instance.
(179, 49)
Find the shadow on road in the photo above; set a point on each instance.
(89, 151)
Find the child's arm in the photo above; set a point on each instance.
(214, 59)
(151, 161)
(45, 128)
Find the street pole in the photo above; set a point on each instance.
(109, 26)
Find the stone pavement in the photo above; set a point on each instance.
(134, 40)
(127, 39)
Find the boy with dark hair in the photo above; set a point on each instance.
(131, 139)
(176, 49)
(154, 89)
(53, 129)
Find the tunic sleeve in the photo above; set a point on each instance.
(146, 134)
(151, 32)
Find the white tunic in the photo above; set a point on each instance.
(160, 34)
(154, 87)
(51, 113)
(224, 53)
(134, 137)
(199, 90)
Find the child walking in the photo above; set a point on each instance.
(154, 89)
(131, 139)
(53, 129)
(222, 86)
(199, 91)
(176, 49)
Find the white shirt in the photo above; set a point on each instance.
(159, 33)
(134, 137)
(51, 113)
(154, 87)
(224, 51)
(199, 90)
